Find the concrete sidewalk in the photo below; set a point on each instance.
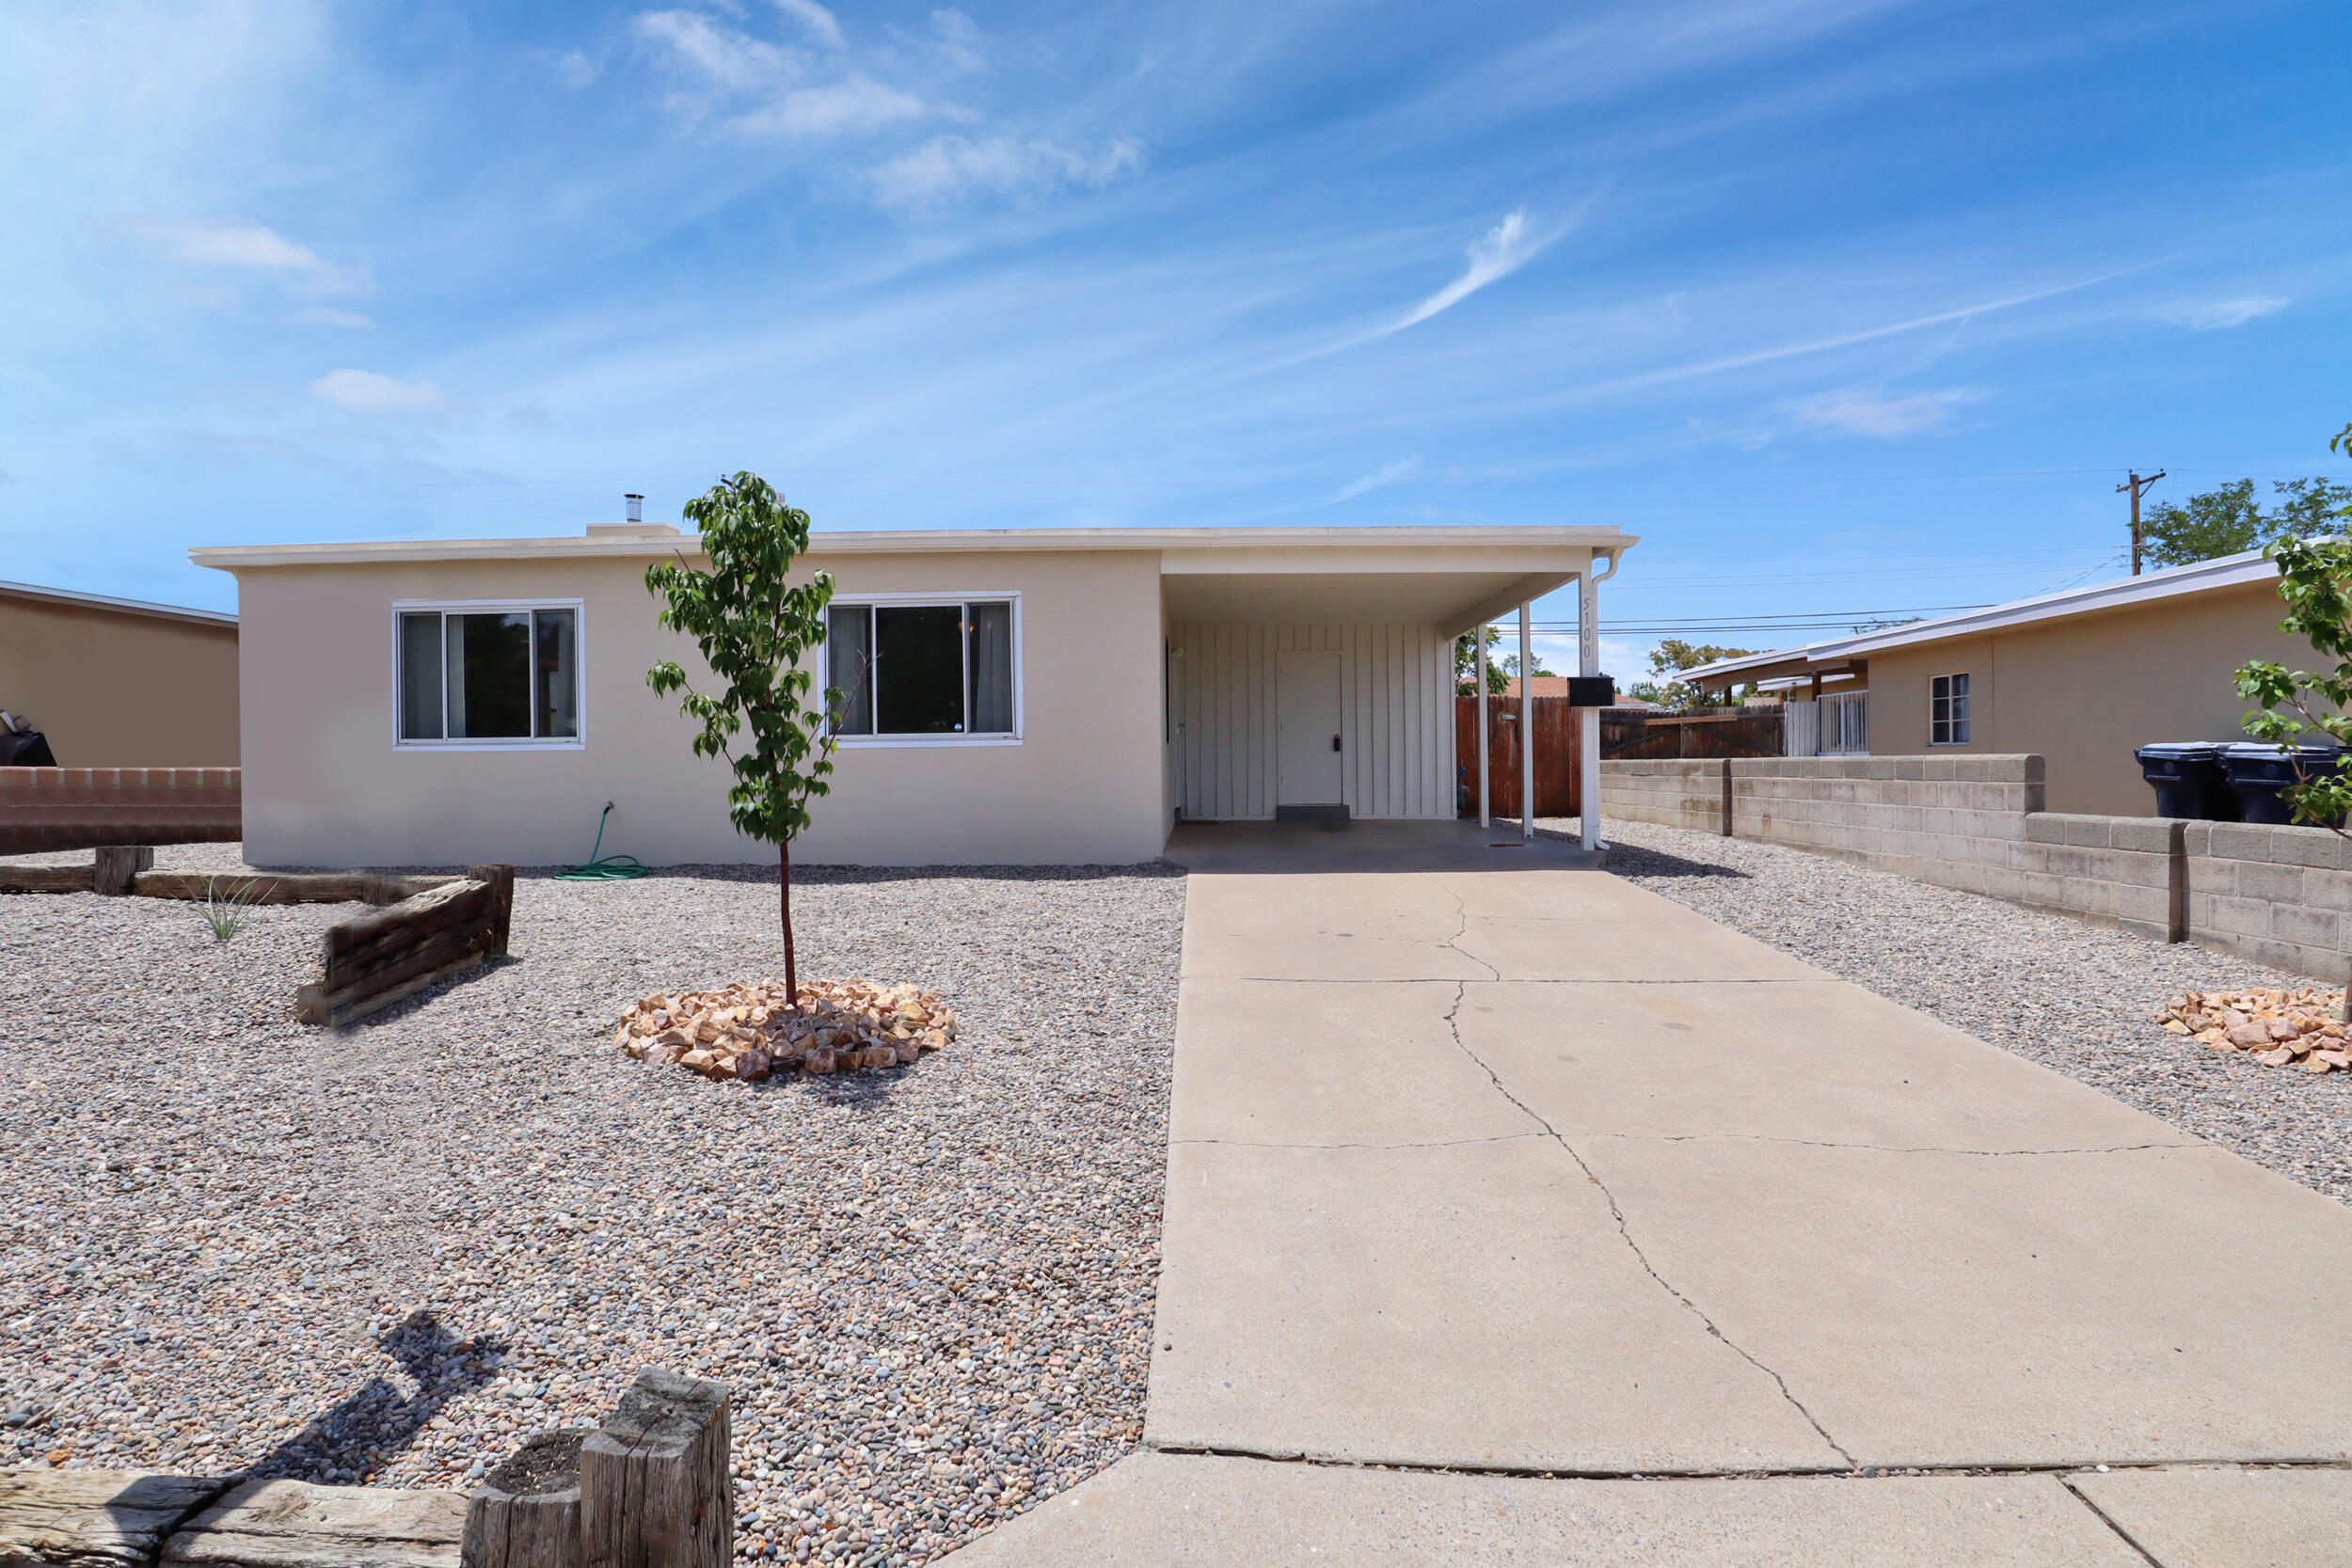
(1535, 1174)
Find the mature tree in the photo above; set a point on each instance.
(754, 630)
(1672, 656)
(1465, 664)
(2228, 520)
(2315, 580)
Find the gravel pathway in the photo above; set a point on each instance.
(2075, 997)
(231, 1241)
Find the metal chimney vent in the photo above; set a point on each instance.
(636, 508)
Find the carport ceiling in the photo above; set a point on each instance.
(1453, 601)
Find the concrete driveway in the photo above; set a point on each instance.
(1493, 1177)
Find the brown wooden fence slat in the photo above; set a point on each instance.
(1729, 733)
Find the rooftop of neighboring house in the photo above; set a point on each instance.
(1786, 664)
(70, 599)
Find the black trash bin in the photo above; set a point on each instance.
(24, 749)
(2258, 772)
(2189, 780)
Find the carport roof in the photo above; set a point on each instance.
(1456, 576)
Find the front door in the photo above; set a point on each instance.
(1307, 730)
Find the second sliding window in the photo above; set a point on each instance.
(922, 670)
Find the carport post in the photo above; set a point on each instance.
(1486, 816)
(1527, 723)
(1588, 719)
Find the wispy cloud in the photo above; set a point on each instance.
(946, 167)
(1859, 413)
(255, 248)
(857, 103)
(2217, 315)
(320, 315)
(818, 22)
(366, 392)
(1388, 475)
(1499, 252)
(768, 91)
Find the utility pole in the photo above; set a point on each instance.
(2136, 486)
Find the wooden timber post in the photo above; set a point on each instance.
(526, 1514)
(118, 863)
(654, 1490)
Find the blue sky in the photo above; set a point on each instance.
(1845, 306)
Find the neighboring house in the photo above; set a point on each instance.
(118, 683)
(1028, 696)
(1538, 686)
(2082, 678)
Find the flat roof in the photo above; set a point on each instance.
(645, 542)
(127, 607)
(2201, 576)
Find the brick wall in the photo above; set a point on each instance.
(2282, 895)
(74, 808)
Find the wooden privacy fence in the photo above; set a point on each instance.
(1624, 733)
(1660, 737)
(1555, 756)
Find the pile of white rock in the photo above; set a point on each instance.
(752, 1029)
(2277, 1028)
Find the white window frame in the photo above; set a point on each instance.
(465, 607)
(1966, 722)
(961, 601)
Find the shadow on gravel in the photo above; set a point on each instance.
(362, 1432)
(1629, 859)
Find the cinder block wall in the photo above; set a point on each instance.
(1678, 794)
(2282, 895)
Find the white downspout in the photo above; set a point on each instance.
(1486, 816)
(1527, 723)
(1588, 719)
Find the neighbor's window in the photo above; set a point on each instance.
(489, 673)
(1947, 710)
(921, 669)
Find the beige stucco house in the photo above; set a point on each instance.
(119, 682)
(2082, 678)
(1035, 696)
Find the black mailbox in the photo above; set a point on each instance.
(1591, 690)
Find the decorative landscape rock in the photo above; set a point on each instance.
(2277, 1028)
(750, 1031)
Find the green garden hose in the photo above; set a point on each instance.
(606, 868)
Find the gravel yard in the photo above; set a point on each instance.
(228, 1240)
(2077, 998)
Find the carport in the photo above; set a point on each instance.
(1315, 681)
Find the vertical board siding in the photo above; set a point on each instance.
(1396, 718)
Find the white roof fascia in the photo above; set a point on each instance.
(2202, 576)
(129, 607)
(1374, 543)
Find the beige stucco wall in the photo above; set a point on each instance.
(112, 689)
(324, 784)
(2083, 692)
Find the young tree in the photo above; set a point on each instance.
(2227, 520)
(2315, 580)
(754, 630)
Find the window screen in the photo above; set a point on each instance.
(489, 674)
(1947, 710)
(848, 666)
(991, 668)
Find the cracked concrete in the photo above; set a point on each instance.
(1530, 1173)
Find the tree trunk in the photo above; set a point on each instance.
(784, 898)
